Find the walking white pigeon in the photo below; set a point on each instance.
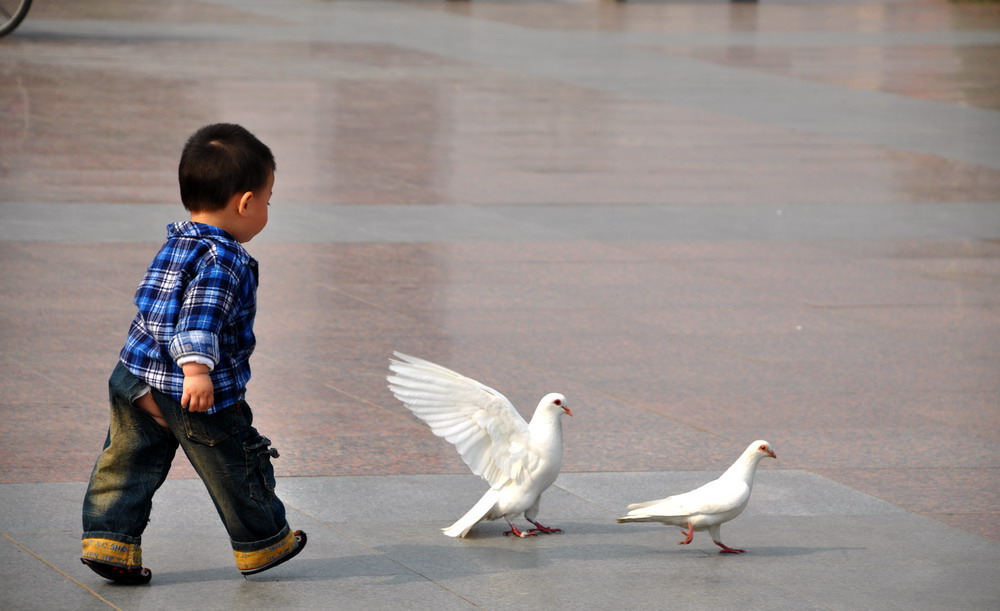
(710, 506)
(519, 460)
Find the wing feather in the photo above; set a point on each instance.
(486, 429)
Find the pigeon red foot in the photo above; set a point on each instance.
(543, 529)
(689, 534)
(728, 550)
(519, 533)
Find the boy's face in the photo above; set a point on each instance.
(255, 218)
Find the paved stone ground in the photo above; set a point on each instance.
(704, 223)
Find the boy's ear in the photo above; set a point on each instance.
(244, 204)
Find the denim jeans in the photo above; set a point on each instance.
(230, 456)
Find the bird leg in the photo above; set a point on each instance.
(728, 550)
(517, 533)
(689, 534)
(543, 529)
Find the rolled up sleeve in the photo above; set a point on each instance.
(195, 347)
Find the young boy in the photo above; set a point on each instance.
(183, 372)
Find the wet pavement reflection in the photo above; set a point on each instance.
(869, 355)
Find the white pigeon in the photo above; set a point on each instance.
(519, 460)
(707, 507)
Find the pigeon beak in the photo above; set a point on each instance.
(770, 453)
(567, 410)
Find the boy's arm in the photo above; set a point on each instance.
(199, 392)
(208, 299)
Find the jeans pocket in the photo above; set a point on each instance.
(124, 384)
(210, 429)
(260, 471)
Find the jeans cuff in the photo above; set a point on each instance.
(109, 551)
(251, 556)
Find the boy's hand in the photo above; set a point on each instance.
(199, 393)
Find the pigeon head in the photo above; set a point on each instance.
(554, 402)
(764, 448)
(746, 464)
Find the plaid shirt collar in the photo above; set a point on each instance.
(191, 229)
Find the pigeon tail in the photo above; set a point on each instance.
(479, 512)
(638, 518)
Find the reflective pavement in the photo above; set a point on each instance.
(704, 223)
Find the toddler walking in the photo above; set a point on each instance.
(182, 374)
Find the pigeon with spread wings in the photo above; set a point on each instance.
(711, 505)
(519, 460)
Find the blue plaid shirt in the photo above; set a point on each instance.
(197, 301)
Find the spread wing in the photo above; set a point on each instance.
(719, 496)
(487, 431)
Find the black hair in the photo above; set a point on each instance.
(218, 161)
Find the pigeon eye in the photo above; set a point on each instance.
(763, 448)
(558, 401)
